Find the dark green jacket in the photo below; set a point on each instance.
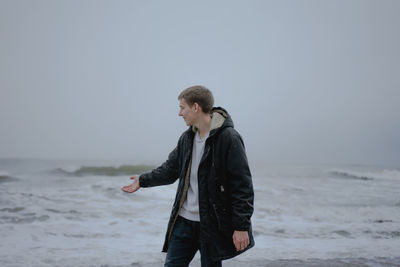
(226, 194)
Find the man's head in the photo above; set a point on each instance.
(195, 101)
(200, 95)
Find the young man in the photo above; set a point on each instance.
(214, 199)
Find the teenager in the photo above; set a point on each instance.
(214, 198)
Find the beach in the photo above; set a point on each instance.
(305, 215)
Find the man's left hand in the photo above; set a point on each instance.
(240, 240)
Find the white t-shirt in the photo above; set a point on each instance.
(190, 208)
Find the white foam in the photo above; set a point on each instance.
(381, 174)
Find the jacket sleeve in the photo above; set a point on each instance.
(165, 174)
(241, 184)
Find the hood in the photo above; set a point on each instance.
(219, 119)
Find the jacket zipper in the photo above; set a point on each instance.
(183, 197)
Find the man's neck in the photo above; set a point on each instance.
(203, 126)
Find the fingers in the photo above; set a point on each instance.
(236, 243)
(129, 188)
(241, 245)
(126, 189)
(246, 243)
(237, 246)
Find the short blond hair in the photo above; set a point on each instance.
(198, 94)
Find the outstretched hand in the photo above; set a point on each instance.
(133, 187)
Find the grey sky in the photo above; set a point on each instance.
(304, 81)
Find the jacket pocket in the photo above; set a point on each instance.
(223, 218)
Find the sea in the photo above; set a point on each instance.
(305, 215)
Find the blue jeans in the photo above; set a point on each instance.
(184, 243)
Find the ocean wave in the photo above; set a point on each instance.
(382, 234)
(92, 235)
(4, 173)
(13, 210)
(352, 175)
(384, 174)
(7, 178)
(25, 218)
(105, 170)
(64, 212)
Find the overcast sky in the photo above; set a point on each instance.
(304, 81)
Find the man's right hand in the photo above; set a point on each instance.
(133, 187)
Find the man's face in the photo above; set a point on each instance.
(187, 112)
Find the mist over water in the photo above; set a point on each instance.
(318, 214)
(304, 81)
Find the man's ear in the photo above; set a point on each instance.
(196, 107)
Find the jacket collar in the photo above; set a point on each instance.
(219, 119)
